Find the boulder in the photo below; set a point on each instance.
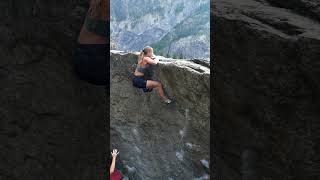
(52, 124)
(266, 91)
(156, 140)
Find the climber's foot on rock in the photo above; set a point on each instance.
(166, 101)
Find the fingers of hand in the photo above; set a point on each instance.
(115, 152)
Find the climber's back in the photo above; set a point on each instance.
(95, 29)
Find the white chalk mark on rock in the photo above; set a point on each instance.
(189, 145)
(135, 132)
(205, 163)
(182, 133)
(138, 150)
(180, 155)
(204, 177)
(130, 169)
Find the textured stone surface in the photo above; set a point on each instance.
(266, 91)
(159, 141)
(52, 125)
(309, 8)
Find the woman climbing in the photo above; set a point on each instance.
(90, 56)
(147, 58)
(114, 174)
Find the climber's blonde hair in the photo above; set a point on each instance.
(96, 8)
(143, 53)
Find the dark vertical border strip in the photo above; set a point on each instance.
(212, 62)
(108, 162)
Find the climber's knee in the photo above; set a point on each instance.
(152, 84)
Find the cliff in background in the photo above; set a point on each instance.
(266, 89)
(159, 141)
(175, 28)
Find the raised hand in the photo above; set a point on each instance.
(114, 153)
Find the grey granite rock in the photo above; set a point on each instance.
(159, 141)
(266, 91)
(52, 125)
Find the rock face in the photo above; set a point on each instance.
(52, 124)
(175, 28)
(309, 8)
(159, 141)
(266, 90)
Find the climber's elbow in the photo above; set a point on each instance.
(151, 61)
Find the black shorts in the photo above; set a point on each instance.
(90, 63)
(140, 82)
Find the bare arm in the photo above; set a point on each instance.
(152, 61)
(114, 154)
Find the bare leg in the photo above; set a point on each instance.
(158, 86)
